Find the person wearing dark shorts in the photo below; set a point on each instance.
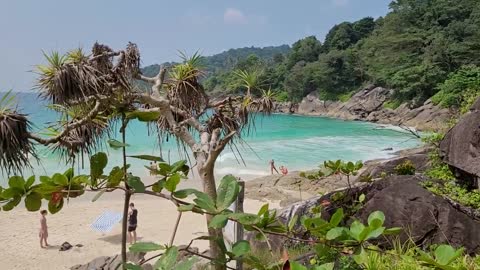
(132, 224)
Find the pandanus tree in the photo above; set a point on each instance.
(95, 92)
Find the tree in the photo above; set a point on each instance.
(306, 49)
(98, 89)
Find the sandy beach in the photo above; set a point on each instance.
(20, 248)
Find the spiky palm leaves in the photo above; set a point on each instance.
(185, 91)
(82, 139)
(15, 147)
(72, 77)
(250, 80)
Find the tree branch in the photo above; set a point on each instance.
(92, 114)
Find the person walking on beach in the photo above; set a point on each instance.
(43, 234)
(132, 224)
(272, 167)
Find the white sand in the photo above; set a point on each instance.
(19, 242)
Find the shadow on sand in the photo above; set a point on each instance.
(115, 239)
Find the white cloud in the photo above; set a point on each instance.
(340, 3)
(234, 16)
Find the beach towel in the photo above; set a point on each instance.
(106, 221)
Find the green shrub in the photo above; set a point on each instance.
(281, 96)
(405, 168)
(451, 92)
(469, 97)
(346, 97)
(455, 192)
(392, 104)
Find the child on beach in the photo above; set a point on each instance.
(284, 170)
(43, 234)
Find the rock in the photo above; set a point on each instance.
(461, 147)
(418, 156)
(428, 219)
(388, 149)
(367, 105)
(112, 263)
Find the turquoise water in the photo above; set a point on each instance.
(298, 142)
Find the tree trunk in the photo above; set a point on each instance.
(126, 202)
(209, 187)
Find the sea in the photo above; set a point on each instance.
(297, 142)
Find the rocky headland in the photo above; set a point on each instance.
(369, 104)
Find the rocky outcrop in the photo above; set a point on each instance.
(285, 107)
(461, 147)
(112, 263)
(427, 218)
(368, 105)
(418, 157)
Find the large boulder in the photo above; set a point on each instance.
(461, 147)
(426, 218)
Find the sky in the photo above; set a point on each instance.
(160, 28)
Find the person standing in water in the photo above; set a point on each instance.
(272, 167)
(43, 234)
(132, 224)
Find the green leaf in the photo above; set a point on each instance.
(325, 266)
(205, 202)
(395, 230)
(240, 248)
(130, 266)
(12, 192)
(168, 259)
(30, 182)
(263, 210)
(245, 219)
(186, 264)
(165, 168)
(376, 219)
(144, 116)
(12, 203)
(33, 202)
(372, 234)
(17, 182)
(361, 256)
(227, 192)
(356, 228)
(116, 144)
(98, 195)
(98, 162)
(172, 182)
(186, 207)
(445, 254)
(45, 179)
(145, 247)
(361, 199)
(297, 266)
(136, 183)
(115, 177)
(54, 208)
(179, 166)
(60, 179)
(218, 221)
(184, 193)
(158, 186)
(337, 217)
(147, 157)
(334, 233)
(292, 222)
(69, 173)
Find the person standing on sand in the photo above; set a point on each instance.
(132, 224)
(272, 166)
(43, 234)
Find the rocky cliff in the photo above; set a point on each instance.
(368, 105)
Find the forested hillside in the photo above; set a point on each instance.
(421, 48)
